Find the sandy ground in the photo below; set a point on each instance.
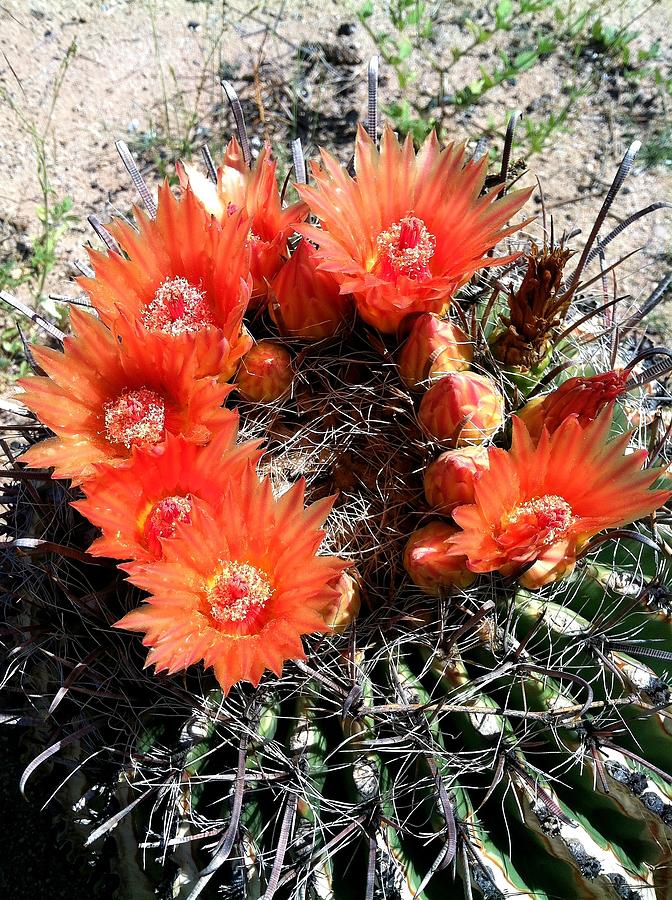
(135, 59)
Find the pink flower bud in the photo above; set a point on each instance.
(431, 563)
(265, 372)
(305, 302)
(434, 347)
(450, 479)
(462, 408)
(346, 608)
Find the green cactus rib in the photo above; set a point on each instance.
(309, 746)
(483, 866)
(566, 832)
(637, 790)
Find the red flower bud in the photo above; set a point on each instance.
(306, 302)
(430, 562)
(265, 372)
(462, 408)
(450, 479)
(434, 347)
(346, 608)
(580, 397)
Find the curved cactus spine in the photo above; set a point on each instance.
(133, 880)
(482, 865)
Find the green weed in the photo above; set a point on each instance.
(55, 215)
(405, 32)
(657, 150)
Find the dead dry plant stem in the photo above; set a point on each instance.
(151, 9)
(38, 136)
(258, 96)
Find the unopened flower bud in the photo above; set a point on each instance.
(557, 562)
(346, 608)
(431, 563)
(580, 397)
(450, 479)
(434, 347)
(265, 372)
(305, 302)
(462, 408)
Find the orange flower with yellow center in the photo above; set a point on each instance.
(537, 506)
(103, 396)
(408, 230)
(139, 504)
(256, 190)
(184, 278)
(239, 586)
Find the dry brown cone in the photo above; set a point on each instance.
(535, 309)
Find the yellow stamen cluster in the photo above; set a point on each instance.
(135, 417)
(177, 308)
(405, 248)
(239, 591)
(550, 514)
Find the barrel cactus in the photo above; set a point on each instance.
(373, 496)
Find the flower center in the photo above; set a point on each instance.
(405, 248)
(547, 518)
(239, 594)
(135, 417)
(164, 516)
(177, 308)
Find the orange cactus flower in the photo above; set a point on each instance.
(408, 230)
(580, 397)
(184, 278)
(305, 302)
(239, 586)
(256, 190)
(102, 397)
(138, 505)
(538, 506)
